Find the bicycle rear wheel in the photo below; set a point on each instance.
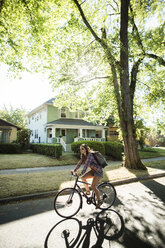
(110, 224)
(107, 194)
(67, 202)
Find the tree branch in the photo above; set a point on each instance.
(95, 78)
(110, 57)
(134, 73)
(139, 41)
(153, 56)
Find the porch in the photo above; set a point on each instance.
(66, 132)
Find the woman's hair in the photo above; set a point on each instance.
(87, 149)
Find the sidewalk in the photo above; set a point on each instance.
(116, 177)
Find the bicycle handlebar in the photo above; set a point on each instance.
(75, 174)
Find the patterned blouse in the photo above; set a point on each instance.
(90, 162)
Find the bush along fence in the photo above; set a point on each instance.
(108, 148)
(114, 149)
(94, 145)
(10, 148)
(53, 150)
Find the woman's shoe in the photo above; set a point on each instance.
(88, 192)
(99, 203)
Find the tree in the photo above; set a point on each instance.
(15, 116)
(96, 59)
(23, 137)
(125, 86)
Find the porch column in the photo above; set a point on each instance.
(81, 133)
(103, 133)
(53, 132)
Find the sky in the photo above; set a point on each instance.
(27, 93)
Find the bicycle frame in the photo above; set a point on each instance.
(79, 188)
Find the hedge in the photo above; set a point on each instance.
(114, 149)
(10, 148)
(94, 145)
(53, 150)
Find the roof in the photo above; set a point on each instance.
(75, 122)
(6, 123)
(50, 101)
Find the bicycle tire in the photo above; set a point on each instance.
(55, 237)
(107, 194)
(67, 202)
(110, 224)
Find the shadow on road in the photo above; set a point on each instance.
(16, 211)
(108, 225)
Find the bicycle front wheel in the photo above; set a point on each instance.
(65, 233)
(107, 194)
(67, 202)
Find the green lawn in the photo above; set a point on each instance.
(152, 152)
(30, 160)
(31, 183)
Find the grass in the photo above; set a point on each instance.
(30, 160)
(152, 152)
(31, 183)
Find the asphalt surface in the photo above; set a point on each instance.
(141, 224)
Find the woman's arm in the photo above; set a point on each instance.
(88, 162)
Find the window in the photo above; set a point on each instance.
(81, 115)
(63, 132)
(36, 134)
(98, 134)
(63, 112)
(76, 115)
(50, 133)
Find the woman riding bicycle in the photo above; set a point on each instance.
(96, 171)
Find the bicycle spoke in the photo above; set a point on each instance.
(107, 194)
(67, 202)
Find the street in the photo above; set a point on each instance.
(141, 206)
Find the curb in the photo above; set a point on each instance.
(53, 193)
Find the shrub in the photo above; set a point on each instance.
(94, 145)
(10, 148)
(53, 150)
(114, 149)
(23, 137)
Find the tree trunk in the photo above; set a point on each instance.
(132, 159)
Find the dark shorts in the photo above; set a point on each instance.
(97, 174)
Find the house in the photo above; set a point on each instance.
(50, 124)
(113, 134)
(8, 131)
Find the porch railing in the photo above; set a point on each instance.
(90, 139)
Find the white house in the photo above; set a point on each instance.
(52, 125)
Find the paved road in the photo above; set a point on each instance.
(141, 205)
(55, 168)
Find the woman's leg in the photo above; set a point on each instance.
(86, 176)
(95, 182)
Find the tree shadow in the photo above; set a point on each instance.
(156, 188)
(18, 210)
(144, 216)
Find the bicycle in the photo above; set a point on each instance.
(68, 201)
(71, 233)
